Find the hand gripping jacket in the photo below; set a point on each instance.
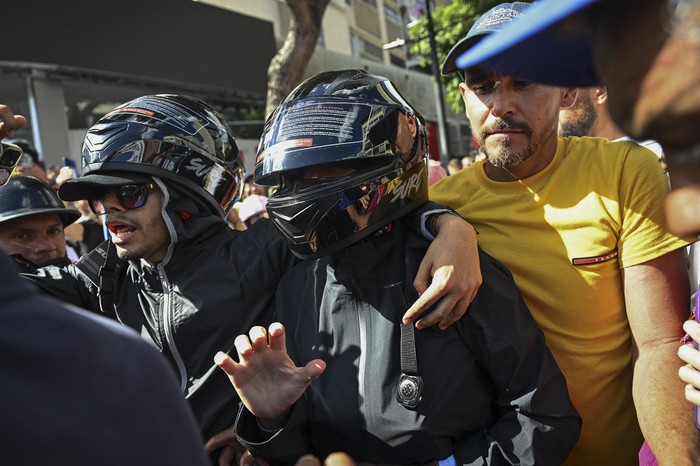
(346, 119)
(173, 137)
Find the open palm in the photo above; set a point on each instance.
(266, 379)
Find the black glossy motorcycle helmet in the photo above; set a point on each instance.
(176, 138)
(355, 121)
(26, 196)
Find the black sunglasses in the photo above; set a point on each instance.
(130, 196)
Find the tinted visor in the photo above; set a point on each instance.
(322, 131)
(322, 218)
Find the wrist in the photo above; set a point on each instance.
(274, 423)
(433, 220)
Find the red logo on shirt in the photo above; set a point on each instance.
(594, 260)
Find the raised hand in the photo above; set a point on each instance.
(9, 122)
(266, 379)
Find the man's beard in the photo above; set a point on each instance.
(581, 120)
(503, 156)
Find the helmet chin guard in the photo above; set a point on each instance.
(353, 121)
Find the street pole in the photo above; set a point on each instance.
(440, 97)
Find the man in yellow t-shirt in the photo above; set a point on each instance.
(580, 223)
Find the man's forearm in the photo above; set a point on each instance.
(665, 417)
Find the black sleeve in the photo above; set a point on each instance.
(67, 284)
(285, 445)
(422, 220)
(264, 230)
(538, 423)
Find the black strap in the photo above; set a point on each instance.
(409, 361)
(105, 292)
(98, 266)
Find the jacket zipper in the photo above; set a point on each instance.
(168, 327)
(363, 356)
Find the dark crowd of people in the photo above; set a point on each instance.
(352, 301)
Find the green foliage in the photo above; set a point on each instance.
(451, 23)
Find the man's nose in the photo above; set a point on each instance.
(504, 100)
(43, 244)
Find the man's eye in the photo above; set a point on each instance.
(482, 88)
(55, 231)
(523, 84)
(21, 236)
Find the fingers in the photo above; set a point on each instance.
(257, 341)
(308, 460)
(690, 373)
(449, 275)
(334, 459)
(9, 122)
(692, 394)
(278, 339)
(247, 459)
(339, 459)
(226, 457)
(226, 437)
(225, 362)
(314, 369)
(64, 174)
(450, 296)
(692, 328)
(443, 316)
(440, 311)
(242, 345)
(422, 280)
(428, 296)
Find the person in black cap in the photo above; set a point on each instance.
(32, 219)
(491, 21)
(484, 391)
(163, 170)
(580, 223)
(647, 54)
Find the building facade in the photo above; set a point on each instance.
(77, 60)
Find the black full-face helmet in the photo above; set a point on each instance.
(26, 196)
(350, 120)
(177, 138)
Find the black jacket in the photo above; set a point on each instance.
(78, 389)
(216, 284)
(493, 393)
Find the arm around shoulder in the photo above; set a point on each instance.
(449, 275)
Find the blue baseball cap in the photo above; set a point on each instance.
(489, 22)
(551, 43)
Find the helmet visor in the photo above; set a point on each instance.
(326, 130)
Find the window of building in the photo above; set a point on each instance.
(372, 51)
(392, 15)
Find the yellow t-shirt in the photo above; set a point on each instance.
(565, 233)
